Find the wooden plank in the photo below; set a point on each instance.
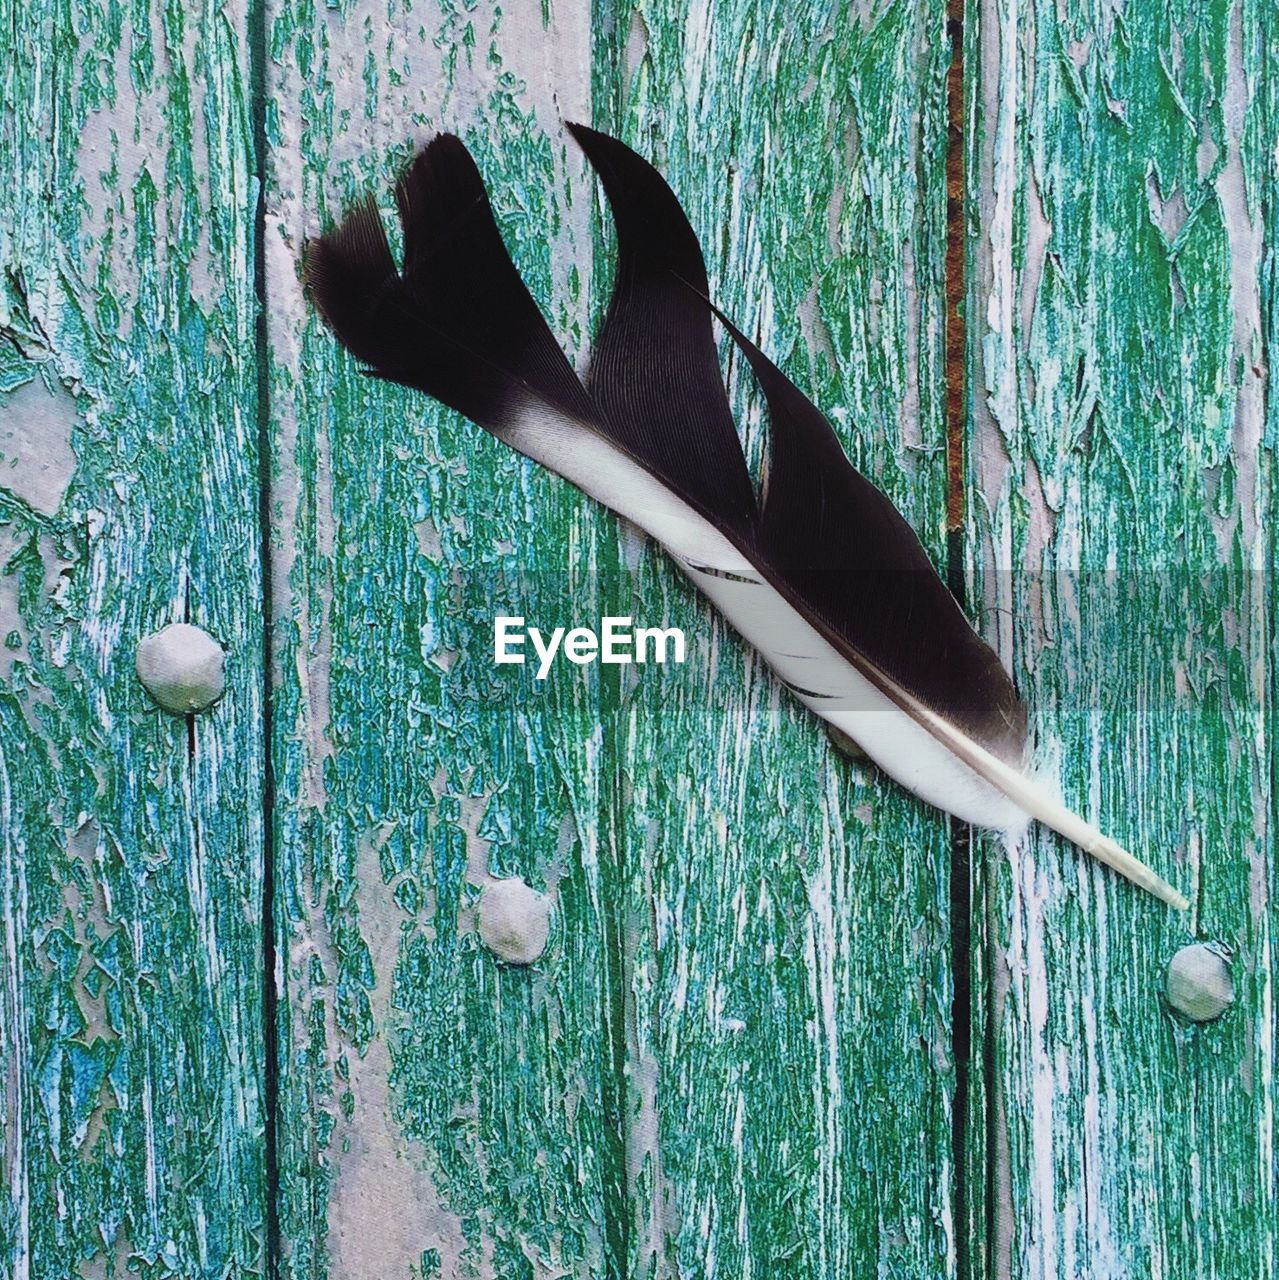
(487, 1121)
(787, 969)
(441, 1115)
(1121, 162)
(130, 840)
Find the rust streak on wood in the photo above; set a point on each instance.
(956, 343)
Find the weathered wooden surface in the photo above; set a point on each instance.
(729, 1030)
(788, 913)
(130, 841)
(735, 1058)
(441, 1115)
(1122, 166)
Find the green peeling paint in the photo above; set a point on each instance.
(703, 844)
(691, 1078)
(735, 1057)
(415, 1071)
(130, 843)
(1120, 269)
(788, 974)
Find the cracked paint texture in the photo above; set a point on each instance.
(130, 840)
(1121, 297)
(470, 1101)
(735, 1057)
(787, 972)
(727, 1030)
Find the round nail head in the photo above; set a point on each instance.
(182, 668)
(514, 920)
(1199, 985)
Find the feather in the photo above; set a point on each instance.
(820, 572)
(457, 322)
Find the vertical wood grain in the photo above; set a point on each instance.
(730, 1028)
(735, 1059)
(130, 840)
(1123, 173)
(441, 1115)
(787, 974)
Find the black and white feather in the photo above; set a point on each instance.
(820, 572)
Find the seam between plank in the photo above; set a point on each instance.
(961, 841)
(257, 24)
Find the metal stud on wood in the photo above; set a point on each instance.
(514, 920)
(182, 668)
(1199, 985)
